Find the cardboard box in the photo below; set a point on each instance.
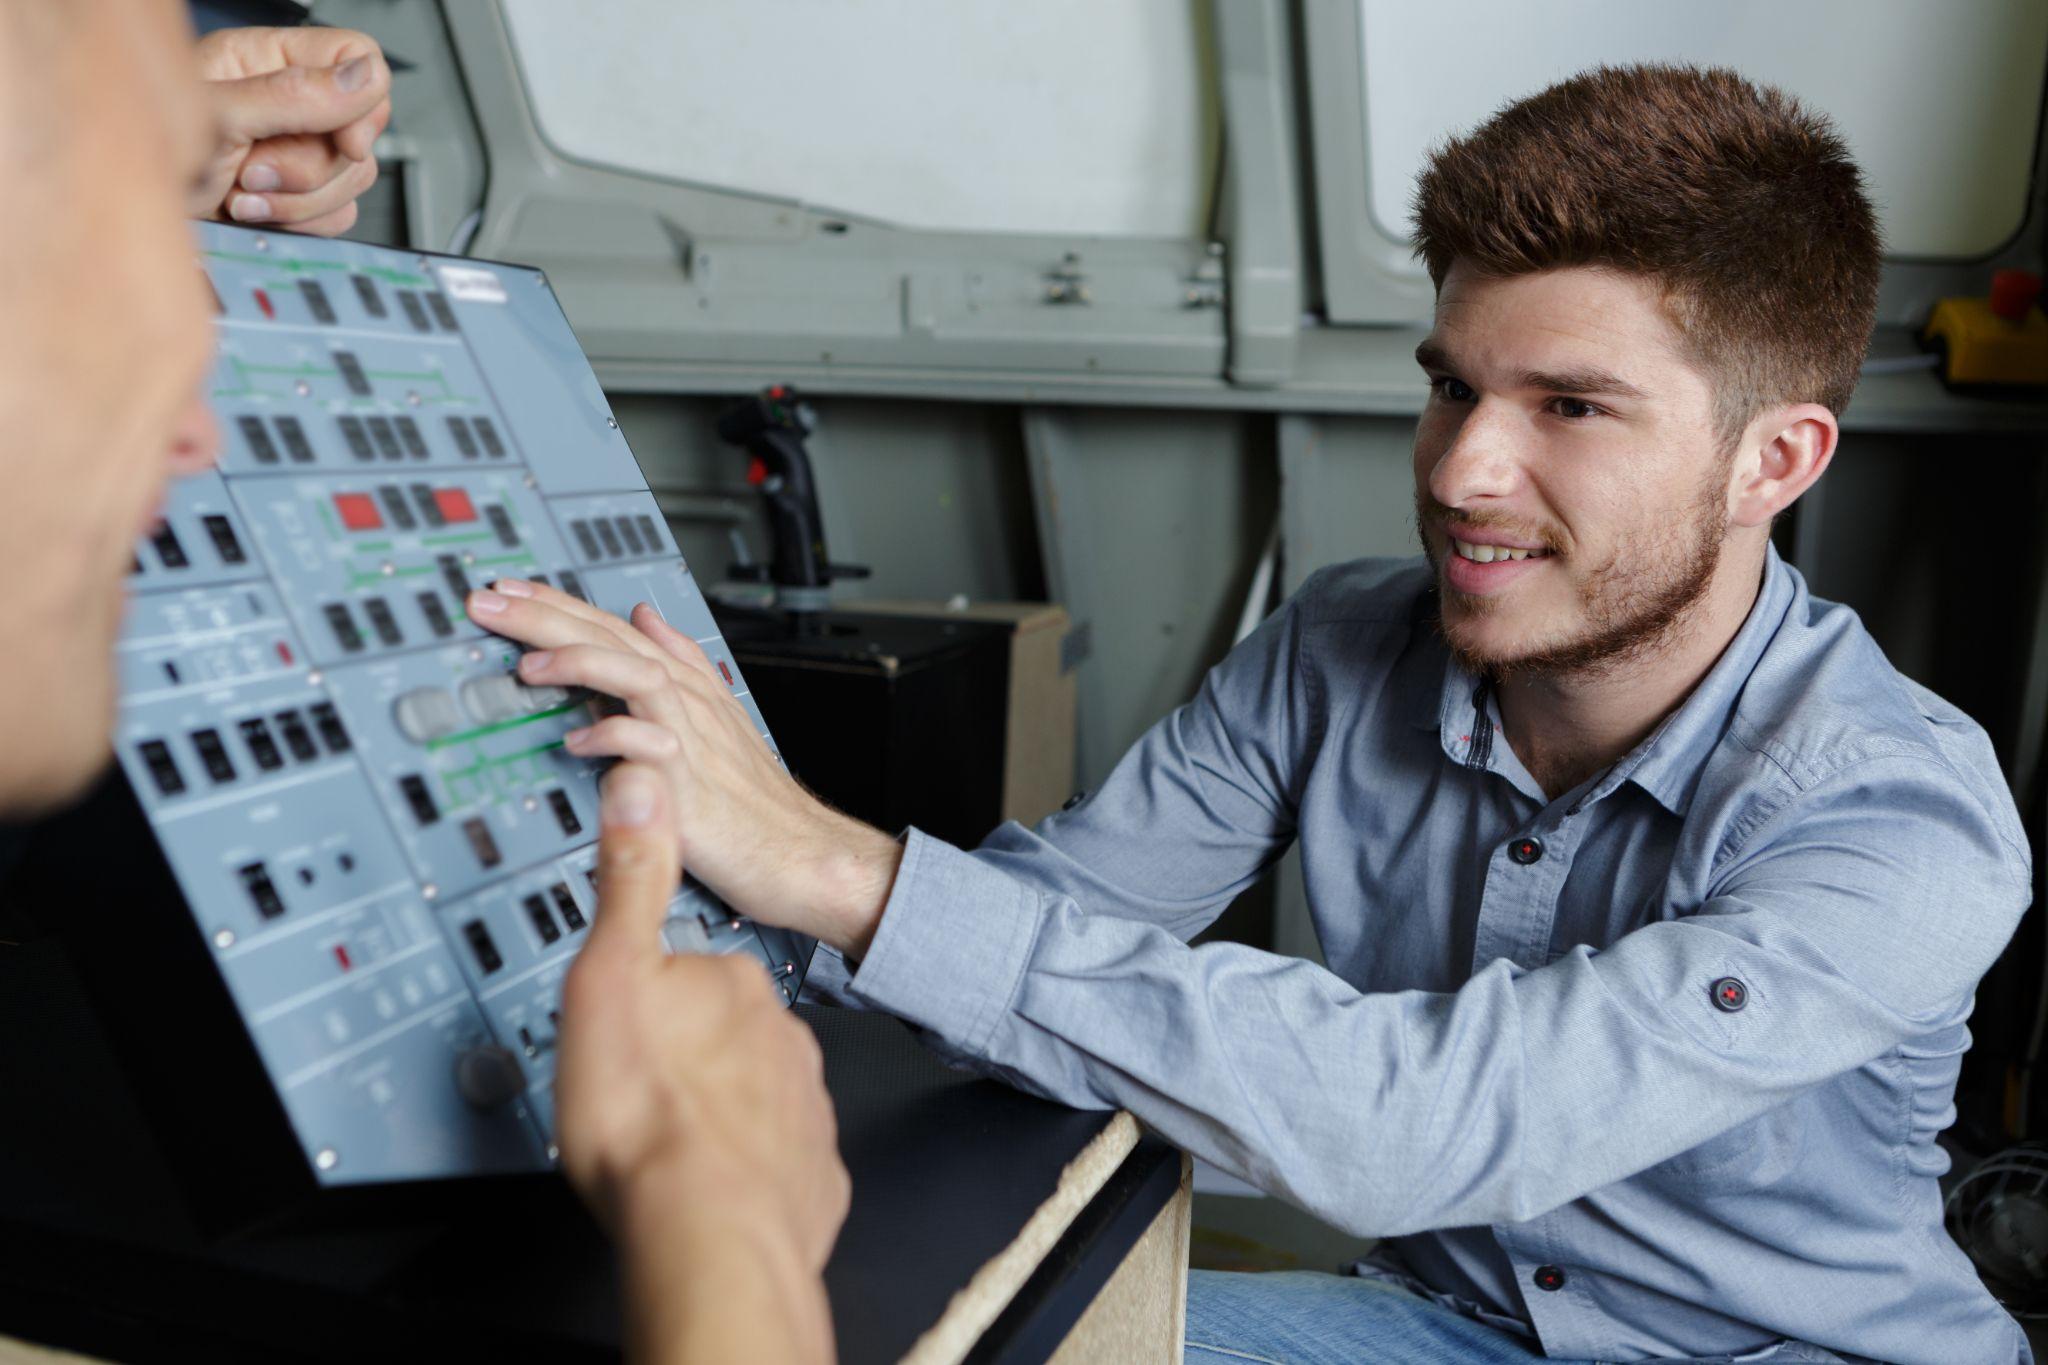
(1038, 749)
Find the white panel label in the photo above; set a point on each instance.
(472, 284)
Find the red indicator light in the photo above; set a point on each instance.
(341, 956)
(358, 511)
(263, 302)
(284, 654)
(757, 471)
(725, 672)
(454, 504)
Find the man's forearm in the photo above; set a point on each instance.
(854, 871)
(704, 1282)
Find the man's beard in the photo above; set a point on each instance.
(1638, 600)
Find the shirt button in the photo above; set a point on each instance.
(1729, 994)
(1526, 850)
(1548, 1278)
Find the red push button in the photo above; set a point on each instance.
(454, 504)
(2014, 293)
(358, 511)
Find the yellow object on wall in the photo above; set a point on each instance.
(1998, 340)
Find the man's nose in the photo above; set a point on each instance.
(195, 440)
(1479, 463)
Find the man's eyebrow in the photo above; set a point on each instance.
(1586, 380)
(1578, 382)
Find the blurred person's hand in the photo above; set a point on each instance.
(692, 1117)
(298, 111)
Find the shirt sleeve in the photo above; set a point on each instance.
(1860, 913)
(1189, 818)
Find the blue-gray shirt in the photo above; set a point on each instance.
(1524, 1064)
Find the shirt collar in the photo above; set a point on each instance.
(1667, 764)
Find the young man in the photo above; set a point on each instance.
(691, 1111)
(1654, 898)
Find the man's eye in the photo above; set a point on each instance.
(1452, 390)
(1573, 409)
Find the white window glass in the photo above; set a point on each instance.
(1055, 116)
(1940, 102)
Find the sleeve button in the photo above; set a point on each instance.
(1729, 994)
(1548, 1278)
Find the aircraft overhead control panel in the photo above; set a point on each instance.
(381, 841)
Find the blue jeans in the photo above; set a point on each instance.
(1301, 1317)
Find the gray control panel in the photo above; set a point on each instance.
(375, 826)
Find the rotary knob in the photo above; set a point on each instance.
(488, 1076)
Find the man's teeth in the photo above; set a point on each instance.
(1486, 554)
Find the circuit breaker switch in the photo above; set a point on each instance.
(426, 714)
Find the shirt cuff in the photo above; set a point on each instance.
(953, 943)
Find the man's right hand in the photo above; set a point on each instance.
(773, 851)
(693, 1117)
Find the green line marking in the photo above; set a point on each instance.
(373, 546)
(455, 538)
(513, 724)
(289, 264)
(285, 369)
(293, 266)
(390, 276)
(521, 558)
(327, 516)
(358, 579)
(494, 765)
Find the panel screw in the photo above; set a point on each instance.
(327, 1158)
(428, 891)
(612, 422)
(224, 938)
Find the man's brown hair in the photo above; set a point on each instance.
(1744, 205)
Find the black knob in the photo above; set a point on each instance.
(488, 1076)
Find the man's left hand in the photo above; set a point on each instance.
(298, 110)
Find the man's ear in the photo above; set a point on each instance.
(1780, 455)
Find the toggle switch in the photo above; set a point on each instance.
(426, 714)
(500, 696)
